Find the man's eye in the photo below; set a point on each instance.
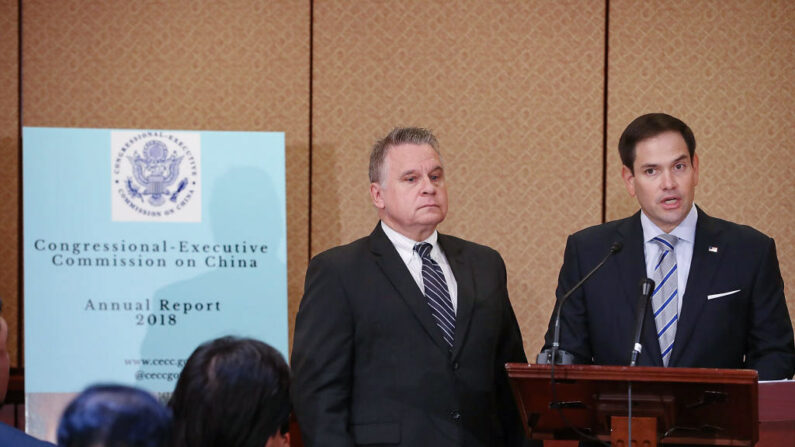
(680, 166)
(649, 171)
(411, 179)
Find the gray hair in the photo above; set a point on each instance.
(398, 136)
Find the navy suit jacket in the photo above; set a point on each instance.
(750, 328)
(10, 436)
(371, 367)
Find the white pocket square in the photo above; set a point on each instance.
(720, 295)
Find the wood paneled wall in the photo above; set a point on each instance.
(515, 91)
(10, 272)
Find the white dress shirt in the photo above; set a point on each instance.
(405, 248)
(686, 232)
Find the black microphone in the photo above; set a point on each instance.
(566, 358)
(646, 289)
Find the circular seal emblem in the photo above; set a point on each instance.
(155, 176)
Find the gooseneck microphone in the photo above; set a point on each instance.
(551, 355)
(646, 289)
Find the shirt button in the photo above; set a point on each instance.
(455, 415)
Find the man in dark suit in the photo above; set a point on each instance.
(402, 336)
(719, 299)
(10, 436)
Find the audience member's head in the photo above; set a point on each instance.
(233, 392)
(114, 416)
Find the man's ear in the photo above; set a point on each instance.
(377, 195)
(695, 169)
(629, 180)
(4, 361)
(278, 440)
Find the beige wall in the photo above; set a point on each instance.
(513, 89)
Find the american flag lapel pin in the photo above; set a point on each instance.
(713, 249)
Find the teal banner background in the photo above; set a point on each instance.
(127, 302)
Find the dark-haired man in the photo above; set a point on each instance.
(719, 299)
(402, 336)
(114, 416)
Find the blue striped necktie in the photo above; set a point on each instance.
(665, 299)
(436, 292)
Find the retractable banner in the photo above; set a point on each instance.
(139, 245)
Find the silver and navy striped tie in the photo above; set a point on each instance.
(436, 292)
(665, 299)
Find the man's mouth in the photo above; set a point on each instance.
(670, 202)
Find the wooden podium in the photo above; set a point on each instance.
(776, 414)
(675, 405)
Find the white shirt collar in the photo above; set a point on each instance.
(405, 245)
(686, 230)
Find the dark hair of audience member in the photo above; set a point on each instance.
(114, 416)
(233, 392)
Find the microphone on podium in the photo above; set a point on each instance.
(554, 355)
(646, 289)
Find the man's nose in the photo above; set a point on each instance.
(428, 187)
(668, 180)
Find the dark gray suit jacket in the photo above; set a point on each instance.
(370, 365)
(747, 329)
(10, 436)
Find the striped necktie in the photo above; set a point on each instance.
(436, 292)
(665, 299)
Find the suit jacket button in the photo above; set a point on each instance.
(456, 415)
(455, 366)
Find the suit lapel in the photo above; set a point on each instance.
(632, 268)
(390, 263)
(703, 266)
(464, 278)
